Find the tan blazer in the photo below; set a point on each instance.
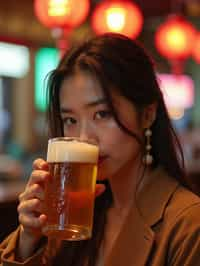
(162, 229)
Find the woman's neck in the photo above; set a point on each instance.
(124, 184)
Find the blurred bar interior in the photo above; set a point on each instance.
(29, 50)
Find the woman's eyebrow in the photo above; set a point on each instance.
(97, 102)
(89, 104)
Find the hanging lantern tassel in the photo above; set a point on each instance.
(62, 37)
(196, 49)
(177, 66)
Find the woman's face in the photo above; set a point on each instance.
(85, 114)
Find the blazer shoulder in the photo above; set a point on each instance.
(183, 203)
(182, 228)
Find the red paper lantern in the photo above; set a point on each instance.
(175, 38)
(196, 48)
(123, 17)
(61, 13)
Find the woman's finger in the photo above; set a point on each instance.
(40, 164)
(38, 176)
(30, 206)
(34, 191)
(30, 222)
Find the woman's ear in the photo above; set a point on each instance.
(149, 115)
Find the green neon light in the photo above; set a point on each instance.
(45, 61)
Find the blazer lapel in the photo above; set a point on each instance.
(154, 195)
(137, 238)
(136, 233)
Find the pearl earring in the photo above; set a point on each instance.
(148, 158)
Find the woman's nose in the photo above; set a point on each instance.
(88, 133)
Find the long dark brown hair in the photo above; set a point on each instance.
(121, 63)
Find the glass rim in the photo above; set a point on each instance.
(72, 139)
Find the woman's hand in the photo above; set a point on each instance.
(31, 206)
(30, 209)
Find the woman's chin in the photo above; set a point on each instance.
(104, 174)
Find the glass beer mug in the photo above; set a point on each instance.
(70, 190)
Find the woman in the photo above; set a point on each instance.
(106, 90)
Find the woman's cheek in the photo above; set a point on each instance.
(111, 134)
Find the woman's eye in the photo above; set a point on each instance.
(68, 121)
(103, 114)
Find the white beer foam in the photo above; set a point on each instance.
(72, 151)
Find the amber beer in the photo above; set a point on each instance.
(69, 192)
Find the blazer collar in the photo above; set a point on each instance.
(154, 195)
(137, 239)
(136, 233)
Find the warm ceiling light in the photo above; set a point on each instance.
(123, 17)
(61, 13)
(174, 39)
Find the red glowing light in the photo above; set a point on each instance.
(175, 38)
(118, 16)
(61, 13)
(196, 49)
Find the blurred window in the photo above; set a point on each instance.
(14, 60)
